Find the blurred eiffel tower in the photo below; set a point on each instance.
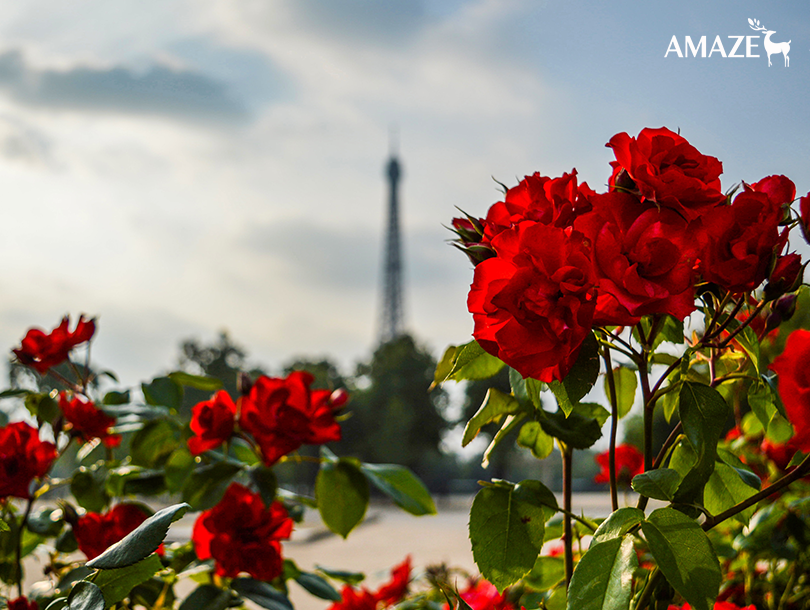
(391, 321)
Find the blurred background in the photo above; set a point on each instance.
(211, 178)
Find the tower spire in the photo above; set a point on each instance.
(391, 324)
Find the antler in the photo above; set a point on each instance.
(755, 25)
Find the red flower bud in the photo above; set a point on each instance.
(787, 276)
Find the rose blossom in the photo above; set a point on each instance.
(21, 603)
(23, 457)
(283, 414)
(629, 463)
(533, 304)
(212, 422)
(667, 170)
(395, 589)
(793, 385)
(88, 421)
(41, 351)
(96, 532)
(241, 534)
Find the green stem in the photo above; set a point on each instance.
(23, 523)
(614, 422)
(568, 530)
(646, 595)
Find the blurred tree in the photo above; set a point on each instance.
(393, 418)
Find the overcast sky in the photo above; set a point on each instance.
(181, 167)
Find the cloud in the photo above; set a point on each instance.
(21, 142)
(158, 90)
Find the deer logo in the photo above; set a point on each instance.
(770, 46)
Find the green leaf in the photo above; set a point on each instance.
(496, 405)
(618, 524)
(575, 430)
(141, 542)
(88, 487)
(154, 443)
(726, 489)
(342, 494)
(261, 593)
(592, 410)
(546, 573)
(43, 407)
(116, 584)
(163, 392)
(659, 484)
(671, 330)
(626, 382)
(603, 578)
(198, 382)
(506, 533)
(45, 522)
(85, 596)
(762, 402)
(351, 578)
(685, 555)
(532, 436)
(445, 365)
(318, 586)
(510, 423)
(206, 485)
(528, 390)
(116, 398)
(207, 597)
(402, 486)
(60, 603)
(750, 343)
(4, 527)
(703, 414)
(468, 361)
(178, 468)
(743, 470)
(583, 374)
(265, 481)
(669, 404)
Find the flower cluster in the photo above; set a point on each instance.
(389, 594)
(555, 259)
(279, 415)
(43, 351)
(86, 421)
(23, 458)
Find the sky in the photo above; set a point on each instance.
(178, 168)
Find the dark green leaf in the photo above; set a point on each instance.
(506, 533)
(207, 597)
(603, 578)
(445, 365)
(43, 407)
(60, 603)
(468, 361)
(583, 374)
(45, 522)
(198, 382)
(750, 343)
(206, 485)
(116, 584)
(510, 423)
(671, 330)
(402, 486)
(116, 398)
(88, 487)
(527, 391)
(746, 474)
(533, 437)
(318, 586)
(703, 413)
(14, 393)
(163, 392)
(85, 596)
(685, 555)
(141, 542)
(659, 484)
(762, 402)
(618, 524)
(592, 410)
(352, 578)
(342, 494)
(725, 489)
(154, 443)
(178, 468)
(261, 593)
(626, 382)
(575, 430)
(496, 405)
(265, 481)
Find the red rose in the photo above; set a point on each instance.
(793, 384)
(21, 603)
(23, 457)
(395, 589)
(787, 276)
(533, 304)
(629, 463)
(41, 351)
(96, 532)
(743, 239)
(780, 455)
(212, 422)
(242, 534)
(87, 421)
(779, 189)
(643, 257)
(483, 595)
(283, 414)
(804, 216)
(355, 599)
(549, 201)
(667, 170)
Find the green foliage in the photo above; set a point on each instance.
(86, 596)
(625, 382)
(207, 484)
(618, 524)
(207, 597)
(659, 484)
(603, 578)
(115, 584)
(402, 486)
(342, 493)
(261, 593)
(575, 430)
(496, 405)
(468, 361)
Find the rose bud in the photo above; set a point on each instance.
(787, 276)
(782, 310)
(804, 216)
